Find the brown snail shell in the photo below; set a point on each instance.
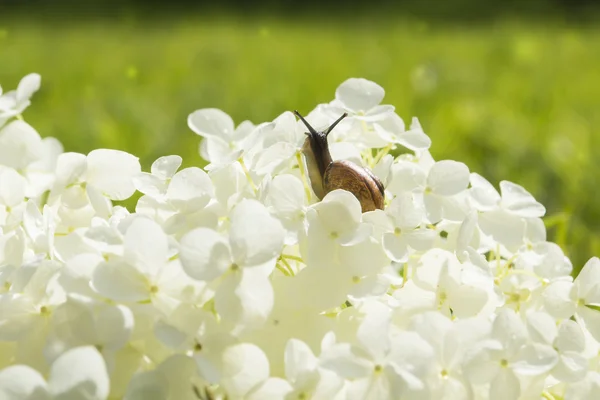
(327, 175)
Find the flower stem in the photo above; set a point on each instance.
(247, 173)
(303, 177)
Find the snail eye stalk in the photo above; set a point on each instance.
(305, 122)
(344, 115)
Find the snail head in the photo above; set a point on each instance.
(318, 140)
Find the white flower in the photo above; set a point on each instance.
(564, 299)
(507, 356)
(234, 281)
(335, 221)
(439, 187)
(222, 142)
(15, 102)
(144, 271)
(502, 215)
(381, 366)
(77, 373)
(246, 259)
(567, 339)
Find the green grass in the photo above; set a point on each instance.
(514, 101)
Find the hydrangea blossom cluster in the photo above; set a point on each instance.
(235, 281)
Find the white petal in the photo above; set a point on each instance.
(255, 236)
(509, 330)
(245, 297)
(535, 359)
(359, 94)
(20, 145)
(272, 159)
(414, 139)
(433, 327)
(362, 259)
(519, 201)
(406, 211)
(114, 326)
(286, 195)
(244, 366)
(406, 176)
(503, 227)
(466, 300)
(542, 327)
(20, 382)
(165, 167)
(570, 337)
(339, 211)
(146, 246)
(505, 386)
(483, 193)
(28, 85)
(571, 367)
(211, 122)
(101, 204)
(396, 247)
(149, 184)
(120, 281)
(219, 151)
(204, 254)
(591, 318)
(79, 373)
(447, 178)
(271, 389)
(299, 360)
(588, 281)
(69, 168)
(346, 361)
(190, 189)
(112, 172)
(12, 187)
(150, 385)
(373, 333)
(557, 299)
(465, 233)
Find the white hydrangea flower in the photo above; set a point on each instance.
(235, 282)
(77, 373)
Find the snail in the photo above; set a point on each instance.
(327, 175)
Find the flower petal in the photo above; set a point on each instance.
(244, 366)
(165, 167)
(112, 172)
(28, 85)
(20, 382)
(190, 189)
(20, 145)
(519, 201)
(211, 122)
(359, 94)
(120, 281)
(447, 178)
(146, 246)
(204, 254)
(79, 373)
(245, 297)
(255, 236)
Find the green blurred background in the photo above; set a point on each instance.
(514, 95)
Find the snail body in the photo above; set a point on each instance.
(327, 175)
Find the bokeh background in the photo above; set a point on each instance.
(511, 88)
